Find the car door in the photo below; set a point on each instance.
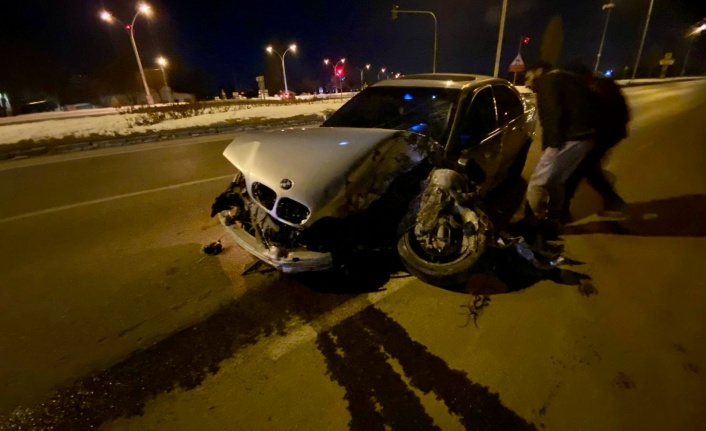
(479, 140)
(511, 120)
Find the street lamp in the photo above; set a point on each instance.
(293, 48)
(396, 10)
(383, 72)
(609, 7)
(642, 42)
(362, 69)
(693, 34)
(145, 9)
(163, 63)
(340, 78)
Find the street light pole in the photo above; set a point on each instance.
(143, 8)
(501, 33)
(367, 67)
(642, 42)
(396, 10)
(340, 81)
(293, 48)
(692, 35)
(162, 62)
(609, 7)
(383, 72)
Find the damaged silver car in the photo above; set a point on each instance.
(404, 165)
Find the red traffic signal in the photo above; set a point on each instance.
(339, 71)
(525, 40)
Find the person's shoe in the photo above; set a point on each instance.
(613, 209)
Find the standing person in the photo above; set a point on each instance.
(613, 116)
(567, 113)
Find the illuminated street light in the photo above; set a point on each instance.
(383, 72)
(693, 34)
(396, 11)
(163, 63)
(335, 66)
(609, 7)
(362, 69)
(145, 9)
(293, 48)
(106, 16)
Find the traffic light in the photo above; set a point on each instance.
(525, 40)
(394, 11)
(339, 71)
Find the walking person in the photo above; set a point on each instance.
(613, 116)
(568, 116)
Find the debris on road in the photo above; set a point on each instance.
(213, 248)
(475, 307)
(545, 258)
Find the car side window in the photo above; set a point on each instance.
(509, 105)
(479, 120)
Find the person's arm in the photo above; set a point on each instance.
(549, 107)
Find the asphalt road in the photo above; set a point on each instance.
(111, 315)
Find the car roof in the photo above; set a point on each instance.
(440, 80)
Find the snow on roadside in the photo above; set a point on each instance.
(112, 125)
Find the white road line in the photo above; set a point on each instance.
(112, 198)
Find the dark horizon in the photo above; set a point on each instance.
(51, 48)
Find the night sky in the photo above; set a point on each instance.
(212, 44)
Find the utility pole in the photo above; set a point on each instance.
(501, 33)
(609, 7)
(642, 42)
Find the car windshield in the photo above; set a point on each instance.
(426, 110)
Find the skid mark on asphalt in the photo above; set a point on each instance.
(358, 353)
(111, 198)
(184, 359)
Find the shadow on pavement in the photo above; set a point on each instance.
(503, 271)
(682, 216)
(183, 360)
(368, 272)
(359, 354)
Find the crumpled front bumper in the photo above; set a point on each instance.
(287, 261)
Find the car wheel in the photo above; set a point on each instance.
(446, 271)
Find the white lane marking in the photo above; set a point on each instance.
(112, 198)
(105, 152)
(307, 333)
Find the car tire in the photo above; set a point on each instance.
(448, 274)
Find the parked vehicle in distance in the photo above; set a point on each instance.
(403, 165)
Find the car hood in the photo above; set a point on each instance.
(320, 162)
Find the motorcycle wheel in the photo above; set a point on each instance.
(447, 272)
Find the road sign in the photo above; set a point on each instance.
(517, 64)
(667, 60)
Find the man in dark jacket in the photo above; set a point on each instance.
(613, 116)
(568, 116)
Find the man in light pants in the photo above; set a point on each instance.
(567, 113)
